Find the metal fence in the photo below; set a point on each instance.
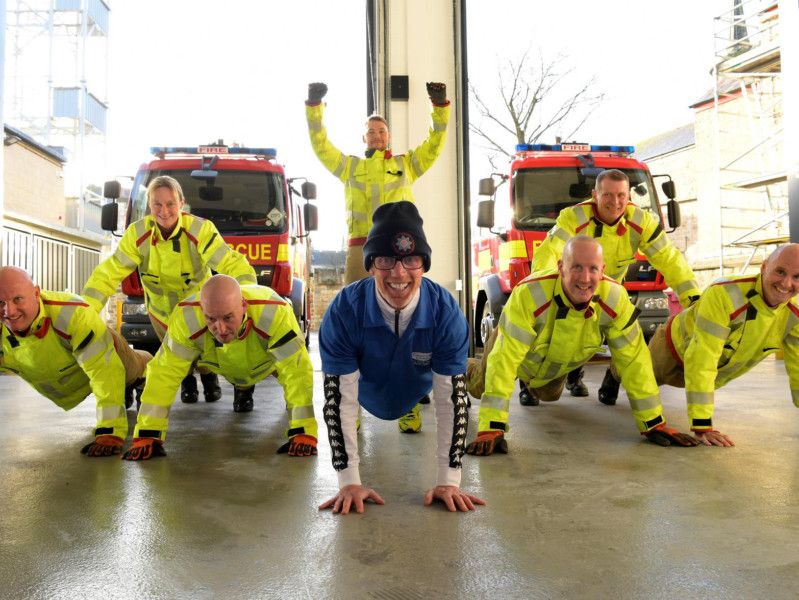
(54, 264)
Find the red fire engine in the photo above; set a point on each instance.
(544, 179)
(244, 191)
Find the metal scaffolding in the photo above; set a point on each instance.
(748, 123)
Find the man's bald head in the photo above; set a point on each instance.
(223, 307)
(19, 299)
(779, 275)
(581, 269)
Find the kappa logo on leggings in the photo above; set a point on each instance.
(422, 359)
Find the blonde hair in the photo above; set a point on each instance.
(165, 181)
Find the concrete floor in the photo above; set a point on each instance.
(581, 508)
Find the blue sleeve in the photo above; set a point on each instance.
(336, 345)
(451, 338)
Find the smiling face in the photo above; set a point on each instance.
(581, 269)
(223, 307)
(398, 284)
(780, 275)
(19, 299)
(377, 136)
(165, 206)
(611, 197)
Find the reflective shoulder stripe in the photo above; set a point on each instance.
(189, 313)
(266, 317)
(560, 233)
(637, 217)
(217, 256)
(583, 217)
(735, 294)
(614, 295)
(65, 314)
(194, 228)
(514, 331)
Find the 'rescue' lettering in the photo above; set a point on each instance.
(254, 250)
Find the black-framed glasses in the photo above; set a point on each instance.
(386, 263)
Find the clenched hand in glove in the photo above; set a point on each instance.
(316, 91)
(299, 445)
(103, 445)
(487, 443)
(437, 92)
(145, 449)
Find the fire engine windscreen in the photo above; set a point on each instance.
(250, 201)
(540, 194)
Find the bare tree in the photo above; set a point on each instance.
(535, 100)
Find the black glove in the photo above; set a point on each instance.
(666, 436)
(144, 449)
(488, 442)
(316, 91)
(437, 92)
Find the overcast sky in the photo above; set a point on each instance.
(186, 72)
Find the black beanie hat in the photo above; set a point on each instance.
(396, 231)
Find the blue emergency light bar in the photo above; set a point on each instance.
(573, 148)
(162, 150)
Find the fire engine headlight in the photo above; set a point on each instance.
(656, 304)
(134, 309)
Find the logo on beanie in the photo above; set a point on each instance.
(403, 243)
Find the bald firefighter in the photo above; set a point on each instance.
(56, 342)
(736, 323)
(622, 229)
(244, 333)
(555, 322)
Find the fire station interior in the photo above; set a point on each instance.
(582, 506)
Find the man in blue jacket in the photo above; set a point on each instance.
(385, 342)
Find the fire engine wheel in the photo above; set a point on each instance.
(486, 324)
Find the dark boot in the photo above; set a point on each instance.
(425, 399)
(242, 399)
(527, 397)
(574, 383)
(188, 390)
(609, 390)
(211, 389)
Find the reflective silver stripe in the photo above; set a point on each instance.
(356, 216)
(390, 187)
(95, 348)
(437, 126)
(314, 125)
(246, 279)
(123, 259)
(711, 328)
(173, 299)
(190, 318)
(140, 228)
(514, 331)
(686, 286)
(65, 315)
(614, 296)
(495, 402)
(374, 192)
(106, 413)
(795, 397)
(735, 294)
(217, 256)
(534, 357)
(301, 412)
(357, 185)
(637, 217)
(627, 338)
(268, 313)
(791, 340)
(155, 289)
(196, 227)
(649, 403)
(417, 168)
(699, 397)
(582, 216)
(154, 410)
(537, 293)
(94, 294)
(560, 233)
(658, 245)
(527, 374)
(553, 369)
(180, 350)
(287, 350)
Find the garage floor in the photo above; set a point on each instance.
(580, 508)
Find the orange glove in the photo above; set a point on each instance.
(144, 449)
(299, 445)
(666, 436)
(487, 443)
(104, 445)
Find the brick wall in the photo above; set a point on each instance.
(325, 284)
(34, 185)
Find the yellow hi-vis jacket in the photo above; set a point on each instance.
(379, 179)
(67, 354)
(636, 230)
(726, 333)
(170, 269)
(543, 337)
(269, 340)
